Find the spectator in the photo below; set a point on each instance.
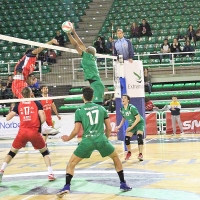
(60, 39)
(107, 98)
(145, 29)
(9, 81)
(149, 106)
(165, 48)
(175, 47)
(147, 80)
(50, 56)
(123, 47)
(6, 92)
(175, 108)
(100, 45)
(191, 34)
(34, 85)
(134, 30)
(109, 45)
(188, 48)
(198, 33)
(112, 105)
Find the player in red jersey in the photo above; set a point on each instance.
(24, 67)
(31, 116)
(48, 106)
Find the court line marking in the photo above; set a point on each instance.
(29, 197)
(118, 154)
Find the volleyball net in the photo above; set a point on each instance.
(56, 67)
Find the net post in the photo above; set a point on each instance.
(9, 68)
(106, 70)
(40, 69)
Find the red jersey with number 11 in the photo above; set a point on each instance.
(28, 113)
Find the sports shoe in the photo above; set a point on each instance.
(128, 155)
(48, 130)
(124, 187)
(173, 134)
(51, 177)
(182, 133)
(64, 191)
(140, 157)
(1, 175)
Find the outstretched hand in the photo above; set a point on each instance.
(54, 41)
(65, 138)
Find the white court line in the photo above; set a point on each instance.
(28, 197)
(118, 154)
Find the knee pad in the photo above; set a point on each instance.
(127, 140)
(12, 154)
(45, 153)
(140, 139)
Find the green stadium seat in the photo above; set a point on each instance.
(157, 87)
(168, 86)
(179, 86)
(190, 86)
(143, 40)
(69, 108)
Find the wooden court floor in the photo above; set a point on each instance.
(170, 170)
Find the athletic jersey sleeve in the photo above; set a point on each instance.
(15, 109)
(39, 105)
(77, 116)
(134, 110)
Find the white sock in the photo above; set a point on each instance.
(4, 165)
(50, 171)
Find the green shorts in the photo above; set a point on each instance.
(98, 88)
(88, 145)
(138, 127)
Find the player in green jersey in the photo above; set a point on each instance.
(135, 125)
(92, 117)
(89, 65)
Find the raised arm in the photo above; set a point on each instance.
(38, 50)
(75, 44)
(78, 40)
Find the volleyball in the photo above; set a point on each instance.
(67, 27)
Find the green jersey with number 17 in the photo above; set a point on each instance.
(92, 117)
(129, 114)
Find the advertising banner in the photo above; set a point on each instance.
(134, 78)
(190, 122)
(151, 124)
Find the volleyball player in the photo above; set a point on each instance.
(89, 65)
(31, 116)
(25, 67)
(48, 106)
(92, 117)
(135, 125)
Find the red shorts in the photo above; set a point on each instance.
(17, 87)
(28, 135)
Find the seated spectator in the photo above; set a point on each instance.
(145, 29)
(6, 93)
(33, 83)
(165, 48)
(149, 106)
(175, 47)
(9, 81)
(134, 30)
(112, 105)
(50, 56)
(198, 33)
(107, 98)
(60, 39)
(100, 45)
(147, 80)
(188, 48)
(109, 45)
(191, 34)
